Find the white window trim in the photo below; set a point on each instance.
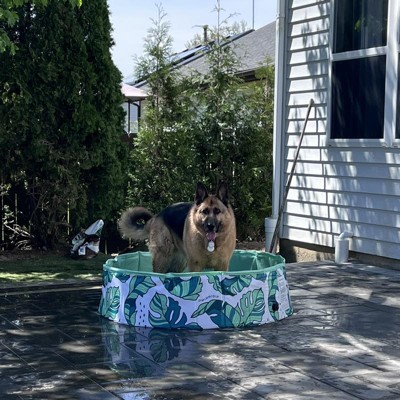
(391, 50)
(392, 72)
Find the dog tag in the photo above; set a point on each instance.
(211, 246)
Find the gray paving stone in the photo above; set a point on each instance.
(320, 365)
(292, 386)
(343, 342)
(221, 389)
(381, 385)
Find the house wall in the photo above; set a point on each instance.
(334, 188)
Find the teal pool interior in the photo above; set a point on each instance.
(241, 261)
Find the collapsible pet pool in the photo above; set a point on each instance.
(253, 291)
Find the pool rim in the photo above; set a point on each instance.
(256, 253)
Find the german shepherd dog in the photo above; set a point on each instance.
(196, 235)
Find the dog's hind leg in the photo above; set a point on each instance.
(166, 253)
(177, 263)
(164, 263)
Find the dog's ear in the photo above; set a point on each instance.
(201, 193)
(222, 193)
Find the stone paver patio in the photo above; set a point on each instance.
(343, 342)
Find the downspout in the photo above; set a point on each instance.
(279, 97)
(342, 247)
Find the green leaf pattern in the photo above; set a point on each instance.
(234, 285)
(188, 289)
(215, 281)
(134, 308)
(248, 312)
(273, 304)
(109, 303)
(167, 313)
(175, 301)
(107, 277)
(252, 307)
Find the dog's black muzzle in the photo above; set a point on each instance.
(211, 225)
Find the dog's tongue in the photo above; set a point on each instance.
(211, 236)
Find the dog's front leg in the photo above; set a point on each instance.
(194, 266)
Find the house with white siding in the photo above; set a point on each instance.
(343, 55)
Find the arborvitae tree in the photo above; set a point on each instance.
(107, 178)
(233, 134)
(9, 10)
(211, 33)
(61, 117)
(162, 168)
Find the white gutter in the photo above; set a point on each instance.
(279, 97)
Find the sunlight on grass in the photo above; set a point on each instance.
(50, 267)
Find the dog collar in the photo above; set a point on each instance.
(211, 246)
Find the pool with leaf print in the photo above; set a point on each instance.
(252, 292)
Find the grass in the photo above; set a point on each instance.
(46, 267)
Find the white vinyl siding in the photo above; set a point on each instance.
(353, 187)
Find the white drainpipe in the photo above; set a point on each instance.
(279, 98)
(278, 106)
(342, 247)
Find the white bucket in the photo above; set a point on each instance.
(270, 224)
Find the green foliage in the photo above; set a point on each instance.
(211, 33)
(157, 51)
(61, 117)
(206, 128)
(164, 147)
(9, 17)
(233, 134)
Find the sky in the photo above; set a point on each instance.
(131, 20)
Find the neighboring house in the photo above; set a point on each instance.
(132, 107)
(254, 49)
(343, 54)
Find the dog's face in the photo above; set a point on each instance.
(211, 211)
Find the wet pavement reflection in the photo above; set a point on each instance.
(343, 342)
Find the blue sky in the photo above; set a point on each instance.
(132, 18)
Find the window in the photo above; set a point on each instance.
(132, 115)
(358, 93)
(362, 70)
(360, 24)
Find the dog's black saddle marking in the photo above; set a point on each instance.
(175, 215)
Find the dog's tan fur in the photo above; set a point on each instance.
(180, 234)
(209, 209)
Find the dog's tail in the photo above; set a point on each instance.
(134, 224)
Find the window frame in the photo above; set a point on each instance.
(130, 112)
(391, 51)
